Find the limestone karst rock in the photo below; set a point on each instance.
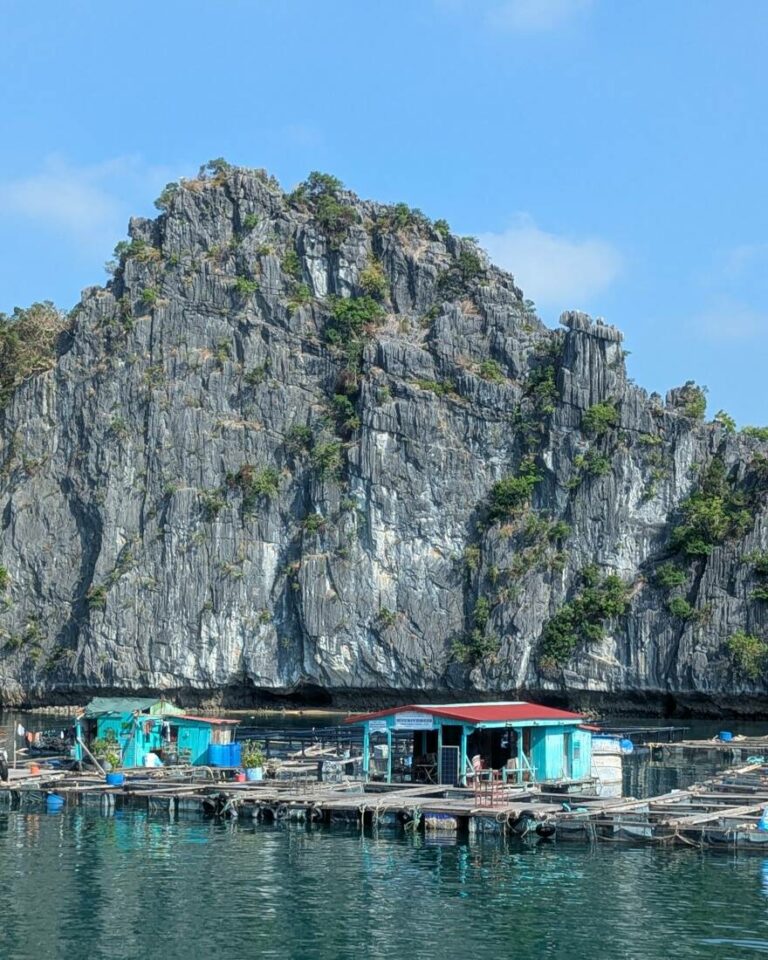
(264, 462)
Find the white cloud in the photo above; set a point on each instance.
(731, 321)
(520, 16)
(554, 271)
(90, 205)
(745, 258)
(534, 16)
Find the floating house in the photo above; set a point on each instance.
(456, 743)
(139, 726)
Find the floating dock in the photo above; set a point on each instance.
(724, 811)
(738, 750)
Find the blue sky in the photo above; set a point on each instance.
(611, 154)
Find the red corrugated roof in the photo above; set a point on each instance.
(477, 712)
(190, 716)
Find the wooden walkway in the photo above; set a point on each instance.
(723, 811)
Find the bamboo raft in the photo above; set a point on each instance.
(724, 811)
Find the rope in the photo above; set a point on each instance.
(412, 825)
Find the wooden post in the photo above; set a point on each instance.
(78, 735)
(463, 757)
(366, 752)
(389, 755)
(440, 753)
(96, 762)
(520, 754)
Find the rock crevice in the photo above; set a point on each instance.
(233, 489)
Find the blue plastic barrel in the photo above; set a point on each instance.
(115, 779)
(725, 735)
(54, 802)
(235, 754)
(218, 755)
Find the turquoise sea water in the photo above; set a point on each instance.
(80, 885)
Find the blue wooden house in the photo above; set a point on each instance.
(139, 726)
(454, 743)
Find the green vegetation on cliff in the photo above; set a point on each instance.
(582, 619)
(29, 344)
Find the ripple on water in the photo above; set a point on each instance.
(78, 885)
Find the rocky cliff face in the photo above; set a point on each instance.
(312, 445)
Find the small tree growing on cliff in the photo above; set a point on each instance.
(321, 193)
(600, 418)
(582, 619)
(29, 341)
(716, 510)
(693, 400)
(748, 653)
(507, 496)
(726, 421)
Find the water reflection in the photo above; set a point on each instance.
(106, 884)
(84, 885)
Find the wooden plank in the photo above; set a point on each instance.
(728, 813)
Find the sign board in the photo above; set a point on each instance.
(412, 720)
(377, 726)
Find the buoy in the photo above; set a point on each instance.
(762, 823)
(626, 745)
(54, 802)
(34, 769)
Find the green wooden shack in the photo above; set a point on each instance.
(139, 726)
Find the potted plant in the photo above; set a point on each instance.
(252, 758)
(107, 752)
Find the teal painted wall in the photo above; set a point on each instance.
(542, 746)
(120, 729)
(548, 743)
(135, 744)
(195, 738)
(582, 755)
(548, 753)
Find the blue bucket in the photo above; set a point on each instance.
(115, 779)
(54, 802)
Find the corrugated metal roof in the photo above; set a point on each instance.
(100, 705)
(503, 712)
(191, 716)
